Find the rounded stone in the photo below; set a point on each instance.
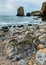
(30, 63)
(21, 62)
(34, 64)
(40, 46)
(5, 28)
(41, 56)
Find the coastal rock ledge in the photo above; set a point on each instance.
(41, 12)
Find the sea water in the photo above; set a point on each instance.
(16, 20)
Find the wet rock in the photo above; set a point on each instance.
(35, 64)
(10, 52)
(22, 55)
(36, 42)
(43, 18)
(13, 41)
(1, 37)
(5, 29)
(36, 13)
(30, 63)
(11, 48)
(43, 30)
(27, 32)
(11, 55)
(40, 46)
(15, 59)
(41, 56)
(14, 26)
(28, 14)
(42, 37)
(24, 48)
(21, 48)
(20, 11)
(37, 27)
(20, 26)
(22, 62)
(29, 51)
(24, 45)
(29, 24)
(42, 26)
(9, 26)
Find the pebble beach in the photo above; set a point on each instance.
(20, 45)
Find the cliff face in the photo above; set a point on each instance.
(41, 12)
(43, 9)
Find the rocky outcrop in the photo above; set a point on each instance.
(42, 12)
(20, 11)
(5, 28)
(43, 9)
(36, 13)
(28, 14)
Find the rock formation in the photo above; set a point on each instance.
(43, 9)
(41, 13)
(20, 11)
(5, 29)
(28, 14)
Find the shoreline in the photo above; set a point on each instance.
(23, 25)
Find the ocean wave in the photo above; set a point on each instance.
(18, 21)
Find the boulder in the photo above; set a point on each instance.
(42, 38)
(35, 64)
(20, 26)
(36, 42)
(21, 48)
(24, 45)
(41, 56)
(11, 48)
(40, 46)
(28, 14)
(44, 18)
(22, 62)
(20, 11)
(5, 28)
(30, 63)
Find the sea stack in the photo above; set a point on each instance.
(20, 11)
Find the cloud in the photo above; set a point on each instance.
(7, 6)
(10, 6)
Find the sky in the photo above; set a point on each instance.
(9, 7)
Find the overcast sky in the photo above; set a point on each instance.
(10, 6)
